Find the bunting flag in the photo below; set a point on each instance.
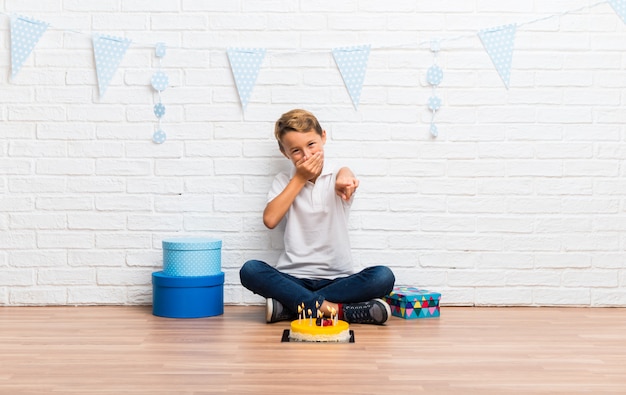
(620, 8)
(245, 64)
(108, 52)
(352, 64)
(25, 34)
(498, 43)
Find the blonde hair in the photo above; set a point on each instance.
(297, 120)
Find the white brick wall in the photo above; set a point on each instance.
(519, 201)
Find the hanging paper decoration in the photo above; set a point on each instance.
(245, 64)
(25, 34)
(620, 8)
(434, 76)
(159, 82)
(108, 52)
(352, 64)
(498, 43)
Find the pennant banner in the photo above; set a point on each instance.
(498, 43)
(245, 64)
(108, 52)
(352, 64)
(620, 8)
(25, 34)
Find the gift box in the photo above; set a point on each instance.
(411, 302)
(192, 257)
(187, 297)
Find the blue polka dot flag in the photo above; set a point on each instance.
(620, 8)
(108, 52)
(25, 34)
(245, 64)
(352, 64)
(498, 43)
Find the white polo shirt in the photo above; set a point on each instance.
(316, 228)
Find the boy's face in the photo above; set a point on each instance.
(299, 146)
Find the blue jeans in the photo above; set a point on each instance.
(261, 278)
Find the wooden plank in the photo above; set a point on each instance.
(125, 349)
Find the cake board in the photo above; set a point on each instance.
(285, 338)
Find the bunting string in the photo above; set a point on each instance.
(616, 4)
(426, 43)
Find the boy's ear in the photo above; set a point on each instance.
(323, 136)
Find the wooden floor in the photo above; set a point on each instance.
(127, 350)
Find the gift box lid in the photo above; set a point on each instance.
(191, 244)
(163, 280)
(412, 293)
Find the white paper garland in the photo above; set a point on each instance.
(434, 76)
(159, 82)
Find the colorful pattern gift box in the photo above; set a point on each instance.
(191, 284)
(412, 302)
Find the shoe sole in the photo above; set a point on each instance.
(387, 309)
(269, 310)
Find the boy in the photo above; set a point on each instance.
(314, 200)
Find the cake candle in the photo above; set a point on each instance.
(310, 317)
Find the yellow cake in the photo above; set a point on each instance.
(302, 330)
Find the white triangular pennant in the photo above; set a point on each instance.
(245, 64)
(620, 8)
(25, 34)
(108, 52)
(498, 43)
(352, 64)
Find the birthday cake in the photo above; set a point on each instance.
(320, 330)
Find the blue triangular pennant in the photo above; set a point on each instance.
(25, 34)
(620, 8)
(498, 43)
(108, 52)
(245, 64)
(352, 64)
